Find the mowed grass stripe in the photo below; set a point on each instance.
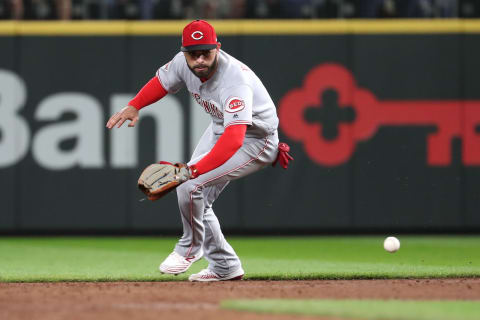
(276, 258)
(85, 259)
(363, 309)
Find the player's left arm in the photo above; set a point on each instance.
(229, 142)
(237, 107)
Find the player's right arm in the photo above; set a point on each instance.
(166, 80)
(127, 113)
(150, 93)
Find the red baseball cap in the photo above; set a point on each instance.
(198, 35)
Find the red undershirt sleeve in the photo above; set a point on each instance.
(229, 142)
(150, 93)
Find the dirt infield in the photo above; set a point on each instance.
(182, 300)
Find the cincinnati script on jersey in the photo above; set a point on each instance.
(208, 106)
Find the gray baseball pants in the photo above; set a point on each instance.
(201, 229)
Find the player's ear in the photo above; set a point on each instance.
(218, 45)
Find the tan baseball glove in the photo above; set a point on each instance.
(158, 179)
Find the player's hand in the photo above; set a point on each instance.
(127, 113)
(158, 179)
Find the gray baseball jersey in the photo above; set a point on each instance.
(233, 95)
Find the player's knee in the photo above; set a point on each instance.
(181, 190)
(185, 189)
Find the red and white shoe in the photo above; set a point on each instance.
(176, 264)
(208, 275)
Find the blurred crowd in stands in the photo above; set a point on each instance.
(235, 9)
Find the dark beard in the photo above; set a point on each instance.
(206, 73)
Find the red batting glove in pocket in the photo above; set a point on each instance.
(283, 156)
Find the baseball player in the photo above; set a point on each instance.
(242, 138)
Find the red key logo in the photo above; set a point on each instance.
(359, 114)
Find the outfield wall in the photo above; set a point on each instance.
(383, 119)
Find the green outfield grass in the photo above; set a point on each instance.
(363, 309)
(137, 258)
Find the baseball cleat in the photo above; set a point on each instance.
(176, 264)
(208, 275)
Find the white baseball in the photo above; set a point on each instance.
(391, 244)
